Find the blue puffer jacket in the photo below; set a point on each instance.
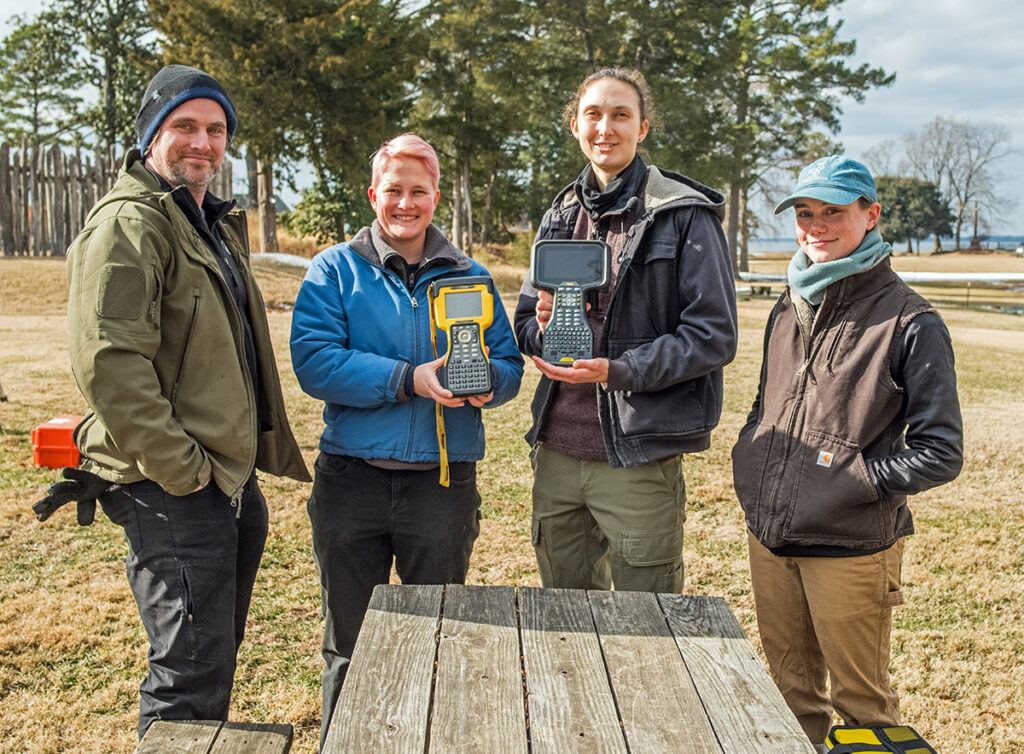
(357, 328)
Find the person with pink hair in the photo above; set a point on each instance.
(361, 343)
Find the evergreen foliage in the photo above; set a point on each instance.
(912, 208)
(743, 87)
(112, 41)
(37, 86)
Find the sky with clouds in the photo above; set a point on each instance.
(953, 58)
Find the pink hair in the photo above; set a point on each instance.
(408, 145)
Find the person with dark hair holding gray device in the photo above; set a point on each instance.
(610, 428)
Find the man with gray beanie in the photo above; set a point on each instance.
(171, 349)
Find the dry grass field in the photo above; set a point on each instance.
(72, 649)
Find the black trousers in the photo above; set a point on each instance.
(363, 518)
(191, 565)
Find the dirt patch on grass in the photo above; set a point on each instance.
(32, 286)
(989, 338)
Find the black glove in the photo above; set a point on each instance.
(82, 486)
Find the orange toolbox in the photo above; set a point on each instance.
(53, 445)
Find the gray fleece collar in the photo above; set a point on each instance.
(436, 248)
(663, 188)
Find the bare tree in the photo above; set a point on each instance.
(886, 158)
(960, 158)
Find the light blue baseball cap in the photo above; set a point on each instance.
(835, 180)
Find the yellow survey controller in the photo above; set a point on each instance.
(463, 308)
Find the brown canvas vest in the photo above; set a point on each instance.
(827, 402)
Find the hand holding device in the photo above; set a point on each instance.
(464, 308)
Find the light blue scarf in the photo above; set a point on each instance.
(810, 280)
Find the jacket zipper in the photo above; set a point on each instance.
(636, 231)
(188, 342)
(803, 371)
(238, 494)
(414, 302)
(246, 274)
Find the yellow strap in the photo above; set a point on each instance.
(442, 441)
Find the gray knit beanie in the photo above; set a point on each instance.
(172, 86)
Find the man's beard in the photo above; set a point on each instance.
(194, 179)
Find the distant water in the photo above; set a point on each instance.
(766, 245)
(777, 244)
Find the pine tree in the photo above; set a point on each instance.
(37, 87)
(782, 70)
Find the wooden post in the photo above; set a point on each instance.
(222, 181)
(46, 194)
(74, 194)
(59, 206)
(35, 206)
(21, 201)
(98, 178)
(6, 201)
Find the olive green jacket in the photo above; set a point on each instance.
(156, 347)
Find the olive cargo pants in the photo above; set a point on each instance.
(594, 525)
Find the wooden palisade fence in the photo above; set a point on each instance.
(46, 193)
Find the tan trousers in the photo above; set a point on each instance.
(594, 525)
(832, 617)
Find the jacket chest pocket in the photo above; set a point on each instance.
(647, 295)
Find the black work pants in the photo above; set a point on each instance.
(363, 517)
(191, 565)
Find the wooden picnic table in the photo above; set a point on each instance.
(215, 737)
(495, 669)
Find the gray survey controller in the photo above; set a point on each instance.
(569, 269)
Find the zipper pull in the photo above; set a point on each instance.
(415, 303)
(236, 502)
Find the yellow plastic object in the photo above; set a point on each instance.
(463, 308)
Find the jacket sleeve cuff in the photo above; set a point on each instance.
(620, 375)
(191, 484)
(406, 387)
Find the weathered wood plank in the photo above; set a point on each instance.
(6, 200)
(21, 200)
(478, 694)
(660, 708)
(385, 701)
(570, 703)
(179, 736)
(253, 738)
(58, 202)
(35, 194)
(745, 708)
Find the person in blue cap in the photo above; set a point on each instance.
(171, 349)
(856, 409)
